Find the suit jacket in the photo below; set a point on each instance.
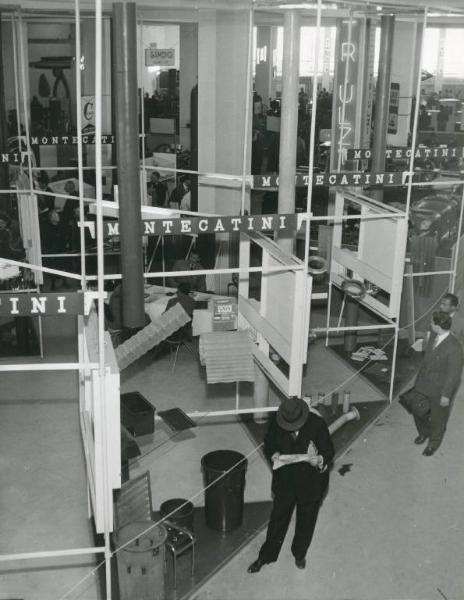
(441, 369)
(300, 478)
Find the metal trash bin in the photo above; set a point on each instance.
(224, 499)
(180, 512)
(141, 562)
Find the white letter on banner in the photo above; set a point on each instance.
(149, 227)
(203, 225)
(34, 141)
(266, 181)
(113, 228)
(357, 154)
(319, 179)
(379, 178)
(348, 50)
(236, 222)
(282, 219)
(55, 139)
(332, 179)
(61, 300)
(344, 98)
(167, 226)
(5, 158)
(38, 304)
(266, 223)
(186, 226)
(344, 180)
(14, 306)
(219, 226)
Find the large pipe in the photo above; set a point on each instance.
(351, 320)
(289, 120)
(128, 163)
(352, 415)
(382, 98)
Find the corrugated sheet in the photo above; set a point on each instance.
(151, 335)
(227, 356)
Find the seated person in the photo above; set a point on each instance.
(54, 239)
(192, 263)
(157, 190)
(183, 298)
(179, 192)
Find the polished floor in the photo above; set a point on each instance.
(391, 527)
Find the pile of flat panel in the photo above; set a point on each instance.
(151, 335)
(227, 356)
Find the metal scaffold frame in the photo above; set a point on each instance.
(98, 373)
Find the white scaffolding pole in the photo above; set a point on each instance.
(107, 495)
(77, 66)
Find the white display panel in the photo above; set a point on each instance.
(378, 256)
(280, 319)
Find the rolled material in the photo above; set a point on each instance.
(317, 265)
(353, 415)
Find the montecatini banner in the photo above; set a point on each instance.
(25, 304)
(335, 179)
(176, 226)
(420, 152)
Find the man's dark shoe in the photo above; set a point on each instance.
(255, 566)
(300, 563)
(420, 439)
(429, 451)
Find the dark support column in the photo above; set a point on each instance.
(127, 141)
(4, 178)
(351, 320)
(382, 98)
(289, 120)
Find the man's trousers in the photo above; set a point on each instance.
(433, 424)
(282, 509)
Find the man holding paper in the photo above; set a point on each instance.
(298, 443)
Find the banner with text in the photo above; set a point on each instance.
(196, 225)
(25, 304)
(395, 178)
(400, 153)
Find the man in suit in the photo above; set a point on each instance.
(436, 382)
(450, 305)
(295, 430)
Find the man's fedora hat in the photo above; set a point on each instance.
(292, 414)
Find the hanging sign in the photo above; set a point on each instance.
(398, 153)
(210, 225)
(349, 33)
(33, 305)
(160, 57)
(88, 113)
(270, 182)
(66, 140)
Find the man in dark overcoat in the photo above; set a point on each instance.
(437, 380)
(295, 430)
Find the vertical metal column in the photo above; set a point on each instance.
(124, 63)
(289, 119)
(382, 97)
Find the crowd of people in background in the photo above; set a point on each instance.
(266, 137)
